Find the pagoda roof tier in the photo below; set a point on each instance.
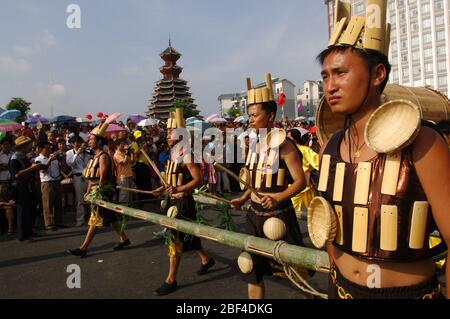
(161, 104)
(170, 52)
(175, 93)
(166, 99)
(171, 85)
(161, 112)
(170, 88)
(171, 67)
(164, 92)
(171, 81)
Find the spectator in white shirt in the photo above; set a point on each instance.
(51, 178)
(84, 134)
(5, 183)
(77, 158)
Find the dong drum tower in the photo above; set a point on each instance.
(170, 88)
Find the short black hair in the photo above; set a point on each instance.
(120, 140)
(268, 107)
(75, 138)
(371, 58)
(296, 135)
(444, 127)
(42, 144)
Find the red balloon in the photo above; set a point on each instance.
(88, 116)
(281, 99)
(100, 115)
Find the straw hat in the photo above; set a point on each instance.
(22, 140)
(393, 126)
(322, 224)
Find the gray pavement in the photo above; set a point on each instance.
(38, 269)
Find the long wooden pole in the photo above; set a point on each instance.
(135, 190)
(155, 168)
(294, 255)
(227, 171)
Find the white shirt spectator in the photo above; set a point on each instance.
(4, 160)
(77, 162)
(52, 174)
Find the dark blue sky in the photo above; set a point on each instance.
(112, 62)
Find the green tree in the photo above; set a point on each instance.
(187, 110)
(17, 103)
(234, 111)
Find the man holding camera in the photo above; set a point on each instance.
(24, 183)
(50, 175)
(77, 158)
(123, 161)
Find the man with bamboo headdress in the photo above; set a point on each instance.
(99, 174)
(385, 202)
(269, 171)
(182, 176)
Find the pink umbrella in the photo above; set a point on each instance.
(218, 120)
(112, 128)
(211, 117)
(8, 126)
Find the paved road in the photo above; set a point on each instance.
(38, 269)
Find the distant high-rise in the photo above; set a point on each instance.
(170, 88)
(420, 40)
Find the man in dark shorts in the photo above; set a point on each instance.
(99, 173)
(272, 181)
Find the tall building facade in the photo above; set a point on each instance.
(309, 97)
(228, 101)
(420, 40)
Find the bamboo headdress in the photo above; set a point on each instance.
(260, 95)
(362, 32)
(176, 119)
(100, 130)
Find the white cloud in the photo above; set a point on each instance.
(51, 99)
(47, 38)
(26, 50)
(146, 68)
(57, 90)
(14, 66)
(51, 90)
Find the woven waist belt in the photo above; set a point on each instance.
(270, 213)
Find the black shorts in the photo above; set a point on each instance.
(263, 266)
(188, 212)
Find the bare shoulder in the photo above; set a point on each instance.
(429, 145)
(288, 148)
